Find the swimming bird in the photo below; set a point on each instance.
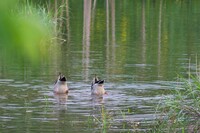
(97, 87)
(60, 86)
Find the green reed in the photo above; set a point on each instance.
(102, 121)
(106, 119)
(181, 111)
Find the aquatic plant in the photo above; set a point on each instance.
(106, 120)
(27, 105)
(46, 104)
(102, 121)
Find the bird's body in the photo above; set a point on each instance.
(60, 86)
(97, 87)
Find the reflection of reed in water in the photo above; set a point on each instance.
(86, 38)
(143, 33)
(159, 37)
(110, 40)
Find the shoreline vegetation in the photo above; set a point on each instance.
(181, 111)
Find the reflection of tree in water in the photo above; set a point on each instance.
(110, 43)
(86, 38)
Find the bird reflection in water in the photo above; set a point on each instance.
(61, 98)
(97, 99)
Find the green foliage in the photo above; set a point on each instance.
(181, 110)
(24, 30)
(105, 120)
(102, 121)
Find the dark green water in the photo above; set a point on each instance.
(138, 47)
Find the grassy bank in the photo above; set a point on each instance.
(181, 111)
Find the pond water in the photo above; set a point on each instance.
(138, 47)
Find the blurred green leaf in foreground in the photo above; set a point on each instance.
(25, 31)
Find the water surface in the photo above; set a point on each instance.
(138, 47)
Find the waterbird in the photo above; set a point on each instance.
(97, 87)
(60, 86)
